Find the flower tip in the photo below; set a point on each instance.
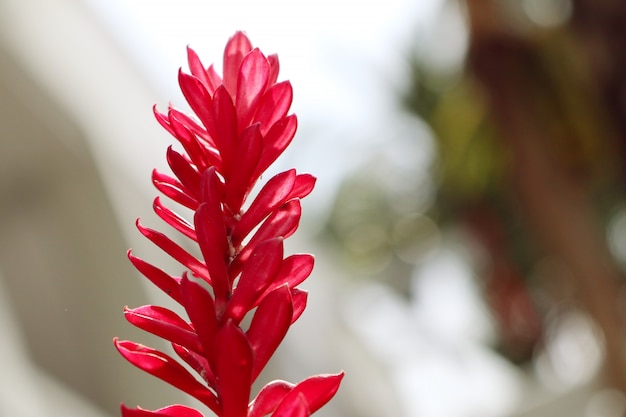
(193, 59)
(116, 341)
(181, 75)
(239, 34)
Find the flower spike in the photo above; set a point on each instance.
(239, 127)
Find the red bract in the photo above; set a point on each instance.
(240, 126)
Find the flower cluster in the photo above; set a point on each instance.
(241, 125)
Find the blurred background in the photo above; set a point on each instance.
(469, 222)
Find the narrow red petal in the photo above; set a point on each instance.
(212, 238)
(274, 105)
(274, 68)
(173, 219)
(200, 308)
(187, 121)
(198, 70)
(190, 123)
(202, 155)
(251, 85)
(273, 194)
(249, 148)
(233, 369)
(163, 120)
(186, 174)
(197, 362)
(170, 411)
(175, 251)
(214, 247)
(212, 196)
(258, 273)
(294, 270)
(281, 223)
(270, 396)
(166, 283)
(316, 391)
(165, 324)
(276, 140)
(298, 407)
(167, 369)
(303, 186)
(215, 78)
(269, 326)
(226, 130)
(199, 100)
(174, 182)
(212, 190)
(237, 48)
(147, 315)
(173, 189)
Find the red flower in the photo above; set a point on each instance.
(240, 127)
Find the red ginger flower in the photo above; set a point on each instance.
(242, 126)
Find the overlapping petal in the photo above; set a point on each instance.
(202, 313)
(199, 100)
(164, 367)
(293, 271)
(233, 370)
(174, 219)
(269, 326)
(173, 189)
(269, 398)
(316, 391)
(281, 222)
(249, 146)
(276, 141)
(198, 363)
(209, 78)
(274, 105)
(175, 251)
(194, 138)
(298, 407)
(226, 132)
(258, 274)
(164, 323)
(278, 190)
(165, 282)
(251, 83)
(237, 47)
(184, 171)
